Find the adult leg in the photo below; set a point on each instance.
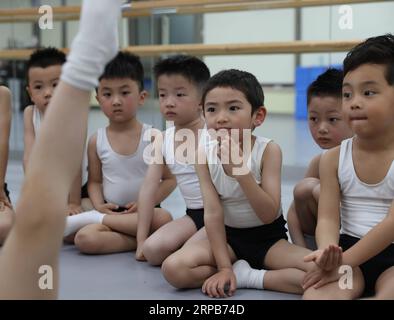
(6, 220)
(36, 236)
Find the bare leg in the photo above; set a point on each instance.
(333, 290)
(385, 285)
(37, 234)
(99, 239)
(168, 239)
(285, 280)
(306, 205)
(41, 210)
(287, 268)
(127, 223)
(116, 234)
(294, 225)
(6, 220)
(190, 266)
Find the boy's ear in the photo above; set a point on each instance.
(144, 94)
(259, 116)
(28, 91)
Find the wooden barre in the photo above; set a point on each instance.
(147, 8)
(218, 49)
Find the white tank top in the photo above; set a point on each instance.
(363, 205)
(36, 119)
(185, 174)
(238, 212)
(122, 174)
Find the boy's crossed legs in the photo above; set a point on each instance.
(116, 233)
(190, 266)
(168, 239)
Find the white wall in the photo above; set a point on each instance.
(15, 34)
(249, 27)
(318, 23)
(52, 37)
(322, 23)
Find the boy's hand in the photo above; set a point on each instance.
(231, 155)
(317, 277)
(131, 207)
(221, 284)
(108, 208)
(74, 209)
(327, 259)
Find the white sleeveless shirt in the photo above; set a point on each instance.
(37, 117)
(122, 174)
(363, 205)
(184, 173)
(238, 213)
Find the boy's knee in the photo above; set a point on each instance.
(87, 241)
(316, 192)
(161, 218)
(151, 251)
(175, 272)
(304, 189)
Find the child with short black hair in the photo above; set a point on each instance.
(117, 165)
(355, 226)
(180, 80)
(240, 179)
(43, 74)
(328, 128)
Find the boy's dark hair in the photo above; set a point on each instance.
(375, 50)
(192, 68)
(125, 65)
(44, 58)
(239, 80)
(328, 84)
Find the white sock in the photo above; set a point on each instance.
(95, 44)
(247, 277)
(78, 221)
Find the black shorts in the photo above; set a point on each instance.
(374, 267)
(7, 193)
(197, 215)
(84, 191)
(252, 244)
